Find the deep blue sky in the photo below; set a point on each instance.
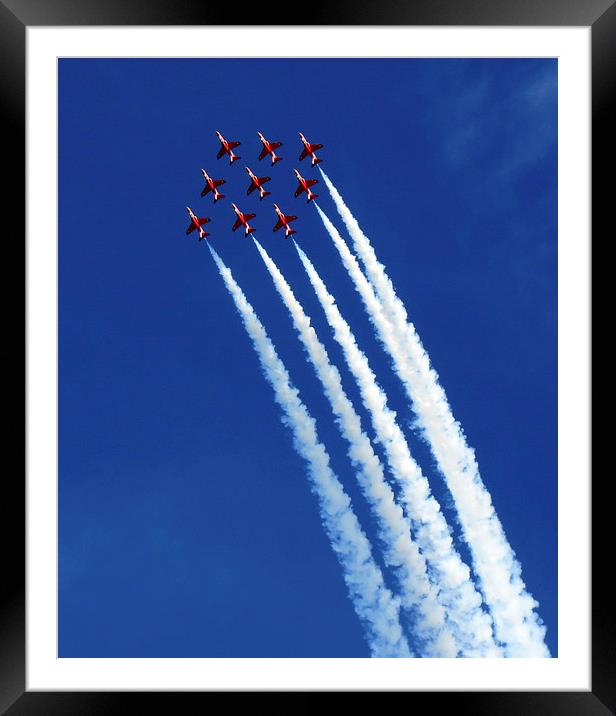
(186, 526)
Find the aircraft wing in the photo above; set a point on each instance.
(221, 153)
(232, 145)
(275, 145)
(304, 154)
(248, 217)
(263, 153)
(190, 229)
(279, 225)
(290, 218)
(218, 182)
(251, 188)
(206, 190)
(299, 190)
(311, 182)
(314, 147)
(237, 225)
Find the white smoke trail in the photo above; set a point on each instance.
(472, 626)
(376, 607)
(517, 625)
(401, 552)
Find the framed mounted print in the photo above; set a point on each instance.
(308, 324)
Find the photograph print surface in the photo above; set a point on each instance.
(307, 358)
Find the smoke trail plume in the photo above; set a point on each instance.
(517, 624)
(376, 607)
(401, 552)
(472, 626)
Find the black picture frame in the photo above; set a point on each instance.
(15, 17)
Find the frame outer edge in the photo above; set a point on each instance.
(12, 103)
(12, 119)
(603, 43)
(342, 12)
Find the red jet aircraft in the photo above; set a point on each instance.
(284, 220)
(227, 148)
(242, 219)
(196, 223)
(309, 149)
(257, 183)
(268, 148)
(211, 185)
(304, 185)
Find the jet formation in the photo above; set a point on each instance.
(196, 223)
(257, 183)
(268, 148)
(227, 148)
(309, 150)
(304, 185)
(243, 219)
(284, 220)
(212, 185)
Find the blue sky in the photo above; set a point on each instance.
(186, 525)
